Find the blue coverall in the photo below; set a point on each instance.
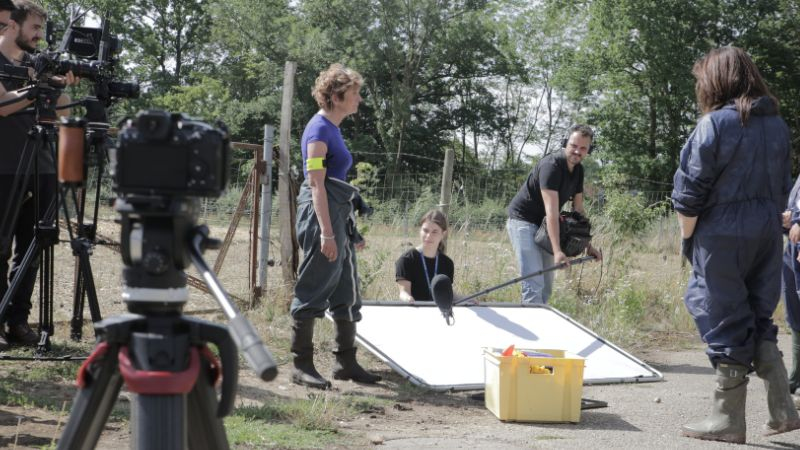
(791, 267)
(735, 179)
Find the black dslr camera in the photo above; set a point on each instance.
(170, 154)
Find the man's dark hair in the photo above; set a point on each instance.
(24, 8)
(583, 130)
(7, 5)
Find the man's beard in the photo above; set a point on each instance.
(23, 44)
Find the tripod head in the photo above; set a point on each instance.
(156, 234)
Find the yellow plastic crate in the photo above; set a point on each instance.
(518, 391)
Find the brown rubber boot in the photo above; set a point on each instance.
(22, 334)
(782, 411)
(726, 422)
(346, 367)
(304, 372)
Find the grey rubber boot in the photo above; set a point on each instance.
(346, 367)
(782, 411)
(726, 422)
(304, 372)
(794, 375)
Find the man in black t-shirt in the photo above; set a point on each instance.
(556, 179)
(21, 35)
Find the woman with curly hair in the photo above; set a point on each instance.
(328, 275)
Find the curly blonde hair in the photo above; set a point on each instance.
(335, 80)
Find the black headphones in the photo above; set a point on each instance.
(582, 129)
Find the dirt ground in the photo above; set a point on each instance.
(646, 415)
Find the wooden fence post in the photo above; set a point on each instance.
(447, 181)
(285, 200)
(266, 212)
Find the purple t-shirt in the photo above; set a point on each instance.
(338, 158)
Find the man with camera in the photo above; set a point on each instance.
(556, 178)
(21, 35)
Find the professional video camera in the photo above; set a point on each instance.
(170, 154)
(95, 49)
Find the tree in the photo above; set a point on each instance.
(168, 38)
(418, 58)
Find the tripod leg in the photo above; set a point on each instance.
(88, 286)
(206, 430)
(46, 299)
(76, 324)
(100, 382)
(14, 285)
(158, 421)
(84, 290)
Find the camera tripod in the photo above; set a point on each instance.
(83, 239)
(40, 142)
(161, 355)
(41, 138)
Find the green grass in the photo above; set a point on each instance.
(303, 423)
(253, 433)
(48, 385)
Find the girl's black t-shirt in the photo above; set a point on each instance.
(409, 267)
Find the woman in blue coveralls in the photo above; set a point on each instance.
(328, 275)
(730, 190)
(791, 273)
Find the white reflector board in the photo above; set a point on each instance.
(415, 341)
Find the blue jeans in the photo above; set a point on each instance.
(531, 259)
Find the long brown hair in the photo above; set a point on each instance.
(728, 74)
(439, 218)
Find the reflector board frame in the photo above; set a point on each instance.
(416, 342)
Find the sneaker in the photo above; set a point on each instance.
(22, 334)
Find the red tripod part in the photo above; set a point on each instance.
(83, 378)
(71, 139)
(156, 382)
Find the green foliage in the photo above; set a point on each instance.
(371, 269)
(206, 99)
(486, 214)
(628, 213)
(497, 81)
(366, 180)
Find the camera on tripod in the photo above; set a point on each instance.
(95, 50)
(159, 153)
